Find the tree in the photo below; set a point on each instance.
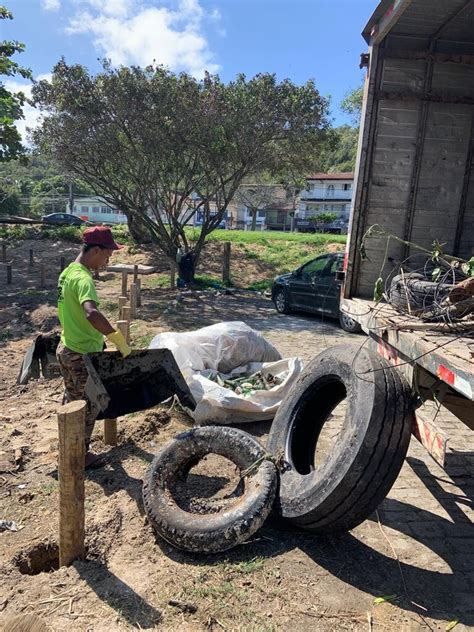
(10, 104)
(149, 141)
(340, 155)
(352, 104)
(256, 196)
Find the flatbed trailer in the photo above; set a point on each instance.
(415, 178)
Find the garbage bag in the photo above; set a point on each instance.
(231, 349)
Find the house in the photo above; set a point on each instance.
(275, 205)
(326, 193)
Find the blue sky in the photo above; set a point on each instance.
(298, 39)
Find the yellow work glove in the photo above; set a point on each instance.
(116, 337)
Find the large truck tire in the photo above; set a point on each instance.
(216, 528)
(364, 459)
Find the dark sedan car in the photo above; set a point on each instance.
(313, 288)
(63, 219)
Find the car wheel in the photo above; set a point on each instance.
(349, 324)
(282, 304)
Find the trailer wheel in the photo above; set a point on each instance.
(362, 460)
(349, 324)
(213, 528)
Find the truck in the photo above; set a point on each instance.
(343, 432)
(415, 178)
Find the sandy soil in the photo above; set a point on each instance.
(417, 549)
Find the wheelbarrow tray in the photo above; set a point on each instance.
(117, 386)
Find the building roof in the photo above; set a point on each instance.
(331, 176)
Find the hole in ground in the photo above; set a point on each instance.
(211, 484)
(39, 558)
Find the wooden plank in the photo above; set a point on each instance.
(129, 269)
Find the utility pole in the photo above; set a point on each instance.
(71, 197)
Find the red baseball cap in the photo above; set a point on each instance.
(100, 236)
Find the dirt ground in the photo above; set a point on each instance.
(416, 551)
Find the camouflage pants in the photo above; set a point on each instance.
(75, 376)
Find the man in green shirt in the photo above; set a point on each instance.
(83, 325)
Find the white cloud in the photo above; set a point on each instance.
(32, 116)
(127, 32)
(51, 5)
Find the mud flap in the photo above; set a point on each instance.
(117, 386)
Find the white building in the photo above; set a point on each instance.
(327, 193)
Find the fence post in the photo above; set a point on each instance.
(4, 253)
(124, 284)
(226, 264)
(124, 327)
(139, 292)
(71, 425)
(135, 273)
(133, 300)
(9, 273)
(110, 431)
(122, 301)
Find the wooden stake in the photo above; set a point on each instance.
(133, 300)
(122, 301)
(173, 276)
(9, 273)
(135, 273)
(126, 315)
(31, 258)
(71, 425)
(124, 284)
(110, 431)
(4, 253)
(42, 275)
(226, 264)
(139, 292)
(124, 327)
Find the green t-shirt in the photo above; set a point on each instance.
(76, 286)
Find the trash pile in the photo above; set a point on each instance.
(233, 373)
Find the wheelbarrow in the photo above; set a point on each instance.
(117, 386)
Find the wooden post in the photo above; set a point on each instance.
(62, 264)
(96, 273)
(133, 300)
(122, 301)
(135, 273)
(173, 276)
(42, 275)
(139, 292)
(4, 253)
(9, 273)
(226, 264)
(124, 284)
(124, 327)
(71, 426)
(31, 258)
(110, 431)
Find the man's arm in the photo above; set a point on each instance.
(96, 318)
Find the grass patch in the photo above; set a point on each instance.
(142, 342)
(208, 281)
(157, 280)
(267, 237)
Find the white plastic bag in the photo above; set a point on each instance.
(230, 348)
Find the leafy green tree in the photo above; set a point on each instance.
(10, 104)
(352, 104)
(148, 141)
(340, 155)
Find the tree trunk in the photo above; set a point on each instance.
(187, 267)
(139, 233)
(254, 219)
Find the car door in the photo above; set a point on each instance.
(327, 288)
(302, 294)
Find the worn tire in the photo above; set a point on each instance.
(413, 292)
(282, 302)
(209, 532)
(369, 452)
